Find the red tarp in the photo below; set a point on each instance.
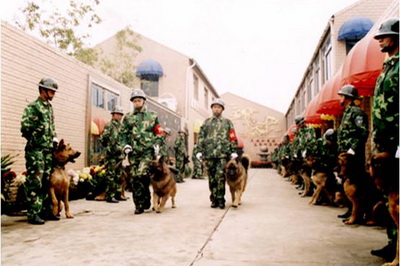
(328, 99)
(363, 65)
(310, 113)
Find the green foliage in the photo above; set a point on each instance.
(120, 65)
(6, 162)
(60, 29)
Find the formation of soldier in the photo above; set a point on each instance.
(352, 134)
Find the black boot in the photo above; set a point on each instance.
(214, 204)
(346, 214)
(221, 205)
(112, 200)
(388, 252)
(36, 220)
(139, 211)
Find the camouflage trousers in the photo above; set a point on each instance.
(197, 169)
(180, 166)
(113, 178)
(216, 179)
(38, 170)
(140, 180)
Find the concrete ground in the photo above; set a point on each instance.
(274, 226)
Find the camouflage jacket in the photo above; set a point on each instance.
(385, 112)
(284, 151)
(326, 152)
(304, 142)
(142, 131)
(180, 147)
(353, 130)
(164, 147)
(110, 139)
(37, 125)
(217, 138)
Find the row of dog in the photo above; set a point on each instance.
(362, 190)
(161, 176)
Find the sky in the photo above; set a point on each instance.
(256, 49)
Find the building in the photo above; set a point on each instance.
(257, 127)
(82, 104)
(170, 78)
(332, 49)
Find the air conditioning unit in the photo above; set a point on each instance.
(171, 103)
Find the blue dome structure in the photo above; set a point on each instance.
(149, 67)
(355, 28)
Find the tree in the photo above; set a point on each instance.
(62, 28)
(120, 64)
(67, 27)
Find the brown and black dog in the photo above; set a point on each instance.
(59, 180)
(384, 169)
(359, 189)
(163, 183)
(323, 179)
(236, 177)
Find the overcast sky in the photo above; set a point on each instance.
(257, 49)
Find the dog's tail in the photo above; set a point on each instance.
(245, 159)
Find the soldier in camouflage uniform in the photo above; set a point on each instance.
(352, 133)
(303, 145)
(180, 155)
(110, 139)
(216, 143)
(197, 167)
(166, 132)
(37, 127)
(385, 112)
(141, 134)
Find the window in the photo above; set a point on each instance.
(303, 100)
(97, 96)
(317, 73)
(205, 97)
(327, 53)
(149, 84)
(195, 87)
(310, 87)
(112, 99)
(103, 98)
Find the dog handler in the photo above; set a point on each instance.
(180, 155)
(385, 111)
(37, 127)
(110, 139)
(216, 143)
(352, 133)
(141, 134)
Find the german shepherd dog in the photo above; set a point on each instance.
(358, 188)
(163, 183)
(236, 177)
(384, 169)
(324, 180)
(59, 180)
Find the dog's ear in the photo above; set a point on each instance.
(162, 159)
(61, 145)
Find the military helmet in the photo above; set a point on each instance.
(219, 102)
(138, 93)
(330, 134)
(389, 27)
(48, 83)
(167, 130)
(118, 110)
(299, 120)
(349, 90)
